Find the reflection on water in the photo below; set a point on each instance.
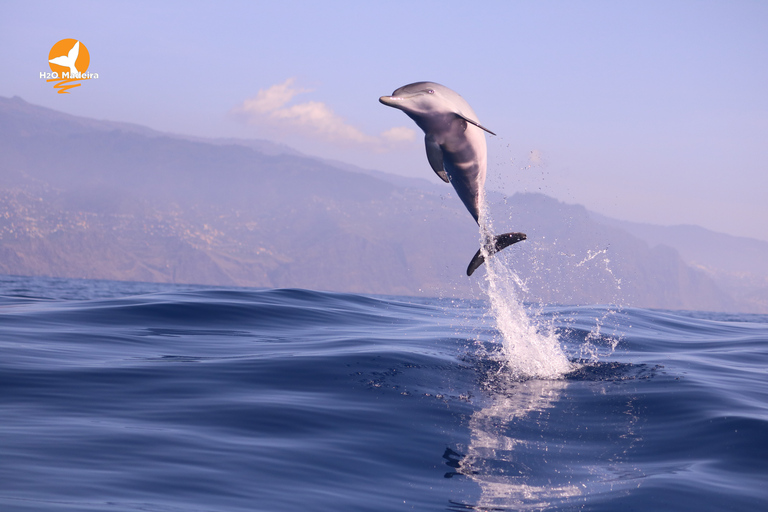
(533, 446)
(504, 464)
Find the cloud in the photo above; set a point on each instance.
(399, 134)
(272, 99)
(316, 119)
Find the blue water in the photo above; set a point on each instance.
(139, 397)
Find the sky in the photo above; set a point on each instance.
(648, 111)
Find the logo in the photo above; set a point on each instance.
(69, 60)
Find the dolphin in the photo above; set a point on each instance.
(456, 151)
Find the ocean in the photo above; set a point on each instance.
(146, 397)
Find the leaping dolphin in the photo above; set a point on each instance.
(455, 149)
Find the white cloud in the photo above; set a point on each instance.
(313, 118)
(269, 100)
(399, 133)
(320, 120)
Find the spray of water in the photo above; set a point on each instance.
(528, 350)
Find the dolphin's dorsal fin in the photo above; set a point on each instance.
(472, 121)
(435, 157)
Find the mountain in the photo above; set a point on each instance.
(97, 199)
(86, 199)
(573, 259)
(738, 265)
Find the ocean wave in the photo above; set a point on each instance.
(131, 396)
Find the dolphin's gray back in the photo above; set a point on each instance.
(459, 103)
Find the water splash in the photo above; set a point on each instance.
(528, 350)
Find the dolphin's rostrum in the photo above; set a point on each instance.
(455, 149)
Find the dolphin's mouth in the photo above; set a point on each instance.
(390, 101)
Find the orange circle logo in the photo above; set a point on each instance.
(69, 56)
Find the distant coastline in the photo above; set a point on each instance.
(82, 198)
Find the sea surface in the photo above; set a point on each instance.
(144, 397)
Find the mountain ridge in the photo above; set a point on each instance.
(98, 199)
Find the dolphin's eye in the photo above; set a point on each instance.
(431, 91)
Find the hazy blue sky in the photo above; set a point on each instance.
(646, 111)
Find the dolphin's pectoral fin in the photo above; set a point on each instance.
(435, 157)
(472, 121)
(499, 242)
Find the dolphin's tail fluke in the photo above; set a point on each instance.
(499, 242)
